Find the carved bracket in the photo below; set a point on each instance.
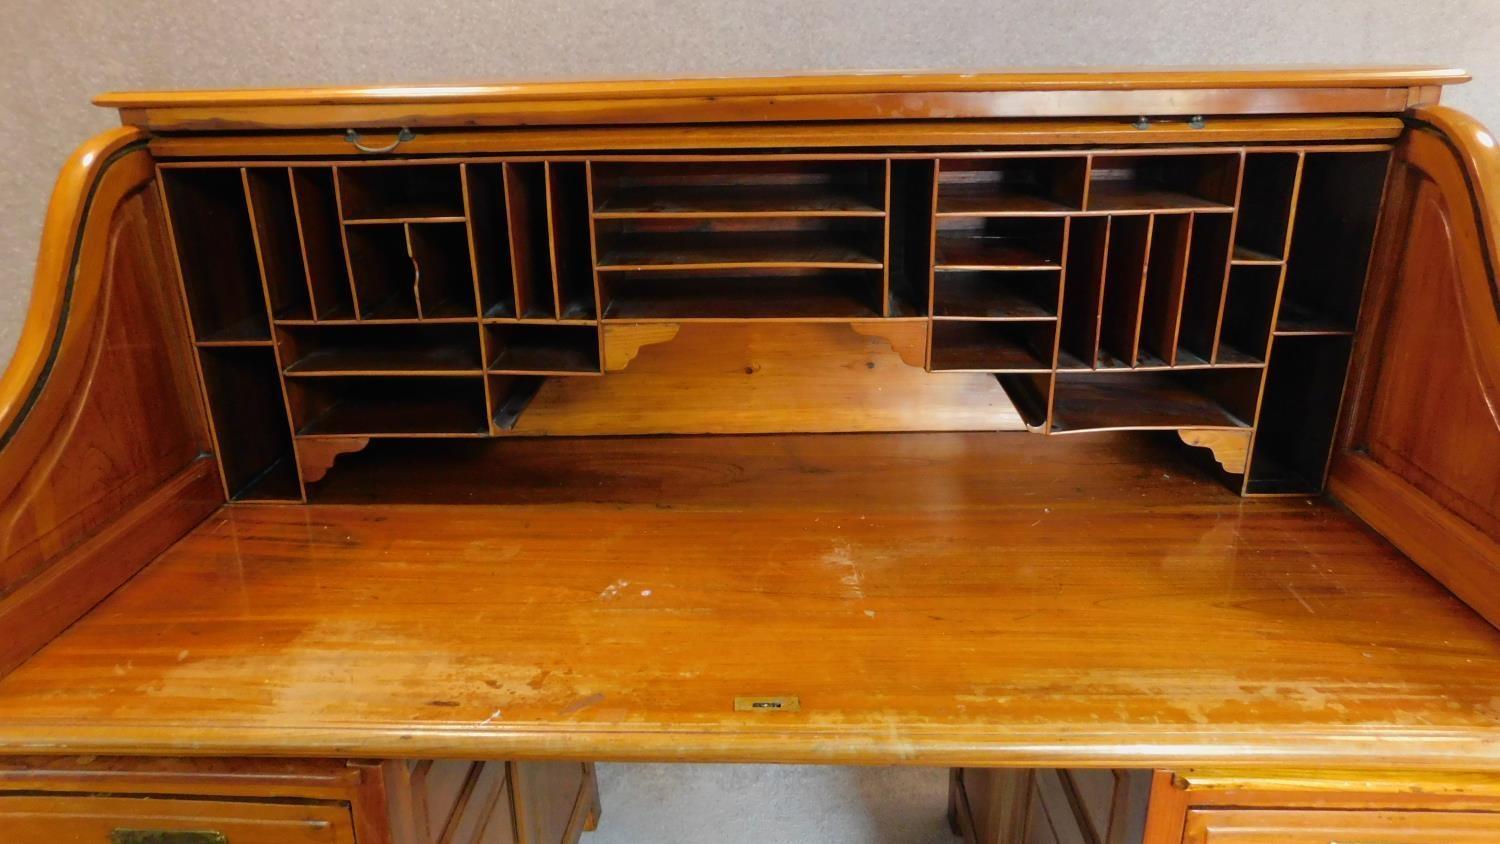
(1230, 448)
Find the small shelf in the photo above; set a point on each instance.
(690, 201)
(381, 193)
(1252, 257)
(358, 406)
(529, 349)
(381, 350)
(746, 189)
(699, 251)
(1134, 401)
(995, 296)
(1204, 183)
(990, 346)
(1003, 243)
(770, 294)
(990, 253)
(1120, 197)
(1299, 320)
(1011, 186)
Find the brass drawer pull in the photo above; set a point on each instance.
(166, 836)
(352, 136)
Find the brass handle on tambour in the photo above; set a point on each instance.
(166, 836)
(352, 136)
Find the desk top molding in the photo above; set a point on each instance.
(832, 96)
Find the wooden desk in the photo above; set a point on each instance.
(1141, 470)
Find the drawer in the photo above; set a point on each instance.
(62, 818)
(1342, 826)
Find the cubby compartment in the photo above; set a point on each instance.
(1030, 294)
(211, 228)
(274, 217)
(1124, 290)
(316, 206)
(726, 243)
(1166, 279)
(385, 279)
(1011, 186)
(1298, 414)
(373, 406)
(308, 351)
(992, 346)
(489, 239)
(1204, 288)
(1155, 400)
(444, 276)
(909, 237)
(400, 192)
(754, 293)
(509, 397)
(1083, 292)
(530, 349)
(1249, 309)
(535, 293)
(252, 437)
(1337, 208)
(572, 252)
(742, 188)
(1266, 195)
(1164, 182)
(999, 243)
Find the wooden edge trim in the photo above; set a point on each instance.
(56, 273)
(1166, 809)
(830, 135)
(836, 82)
(1455, 552)
(37, 612)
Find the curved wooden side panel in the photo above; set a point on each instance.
(1420, 458)
(102, 439)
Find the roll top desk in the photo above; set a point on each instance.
(1125, 442)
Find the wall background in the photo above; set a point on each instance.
(55, 54)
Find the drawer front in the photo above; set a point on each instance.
(1303, 826)
(62, 819)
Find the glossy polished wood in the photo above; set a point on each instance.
(1420, 454)
(1108, 604)
(100, 428)
(874, 96)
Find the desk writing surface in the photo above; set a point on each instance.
(933, 598)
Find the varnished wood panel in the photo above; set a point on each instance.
(912, 133)
(1079, 599)
(46, 819)
(99, 407)
(872, 96)
(1422, 444)
(759, 378)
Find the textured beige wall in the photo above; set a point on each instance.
(56, 53)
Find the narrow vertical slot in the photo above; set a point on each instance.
(211, 230)
(444, 279)
(248, 411)
(322, 243)
(1248, 311)
(572, 255)
(1083, 292)
(1166, 275)
(1337, 209)
(384, 276)
(530, 249)
(269, 192)
(910, 221)
(1298, 414)
(1124, 289)
(1266, 196)
(1203, 294)
(489, 239)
